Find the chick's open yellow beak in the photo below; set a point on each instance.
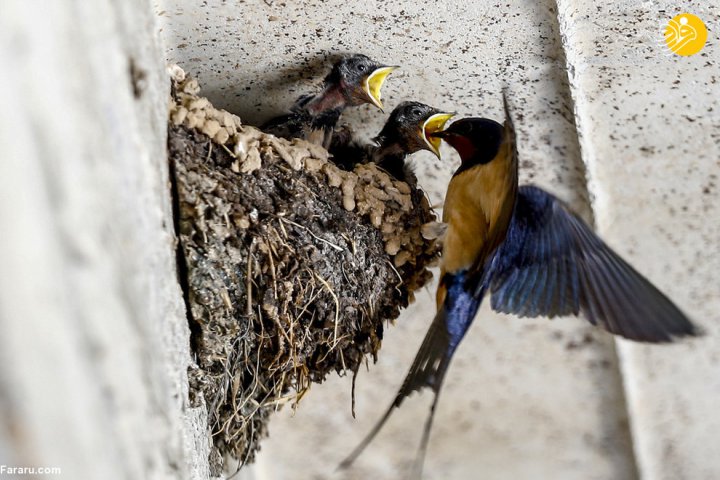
(374, 82)
(435, 123)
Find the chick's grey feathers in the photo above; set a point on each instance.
(401, 136)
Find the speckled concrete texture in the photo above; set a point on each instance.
(650, 127)
(524, 398)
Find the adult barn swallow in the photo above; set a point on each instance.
(407, 130)
(531, 254)
(353, 81)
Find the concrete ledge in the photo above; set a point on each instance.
(650, 136)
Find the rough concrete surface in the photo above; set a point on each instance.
(650, 135)
(94, 338)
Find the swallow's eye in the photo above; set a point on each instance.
(361, 67)
(415, 112)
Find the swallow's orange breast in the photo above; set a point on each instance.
(477, 210)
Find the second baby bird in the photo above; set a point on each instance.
(409, 129)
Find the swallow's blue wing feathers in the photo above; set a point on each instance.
(552, 264)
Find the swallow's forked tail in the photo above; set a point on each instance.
(428, 370)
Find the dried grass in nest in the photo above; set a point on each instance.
(291, 265)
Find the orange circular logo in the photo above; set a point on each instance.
(685, 34)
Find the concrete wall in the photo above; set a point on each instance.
(649, 126)
(94, 337)
(603, 114)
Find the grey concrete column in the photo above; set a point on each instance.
(92, 324)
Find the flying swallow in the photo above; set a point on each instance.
(531, 254)
(407, 130)
(353, 81)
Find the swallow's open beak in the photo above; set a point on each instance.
(432, 130)
(374, 82)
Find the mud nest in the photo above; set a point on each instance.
(290, 265)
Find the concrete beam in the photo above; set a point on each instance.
(649, 128)
(94, 337)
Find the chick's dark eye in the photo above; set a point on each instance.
(416, 112)
(361, 68)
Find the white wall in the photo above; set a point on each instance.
(650, 134)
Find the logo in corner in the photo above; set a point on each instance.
(685, 34)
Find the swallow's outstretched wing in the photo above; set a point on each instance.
(553, 264)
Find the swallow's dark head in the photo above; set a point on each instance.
(360, 79)
(410, 125)
(477, 140)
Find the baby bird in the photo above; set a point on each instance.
(407, 130)
(353, 81)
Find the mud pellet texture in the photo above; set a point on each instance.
(291, 266)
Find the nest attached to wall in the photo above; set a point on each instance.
(290, 265)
